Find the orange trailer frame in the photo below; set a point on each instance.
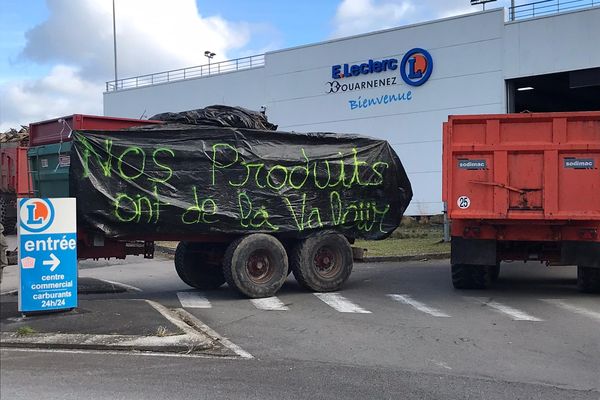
(523, 187)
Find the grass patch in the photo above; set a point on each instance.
(402, 247)
(25, 330)
(408, 241)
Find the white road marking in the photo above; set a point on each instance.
(126, 286)
(193, 300)
(208, 331)
(269, 304)
(173, 318)
(513, 313)
(579, 310)
(340, 303)
(406, 299)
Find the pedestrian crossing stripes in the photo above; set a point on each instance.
(269, 304)
(340, 303)
(513, 313)
(417, 305)
(193, 300)
(578, 310)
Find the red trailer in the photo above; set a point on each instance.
(49, 163)
(523, 187)
(57, 130)
(132, 190)
(14, 182)
(15, 179)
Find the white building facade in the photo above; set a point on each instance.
(398, 84)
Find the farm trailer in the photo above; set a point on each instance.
(523, 187)
(248, 206)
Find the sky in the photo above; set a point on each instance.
(56, 55)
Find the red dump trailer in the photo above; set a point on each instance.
(246, 202)
(58, 130)
(523, 187)
(14, 182)
(49, 164)
(15, 177)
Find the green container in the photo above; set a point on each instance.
(49, 167)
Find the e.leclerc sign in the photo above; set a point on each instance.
(47, 254)
(415, 67)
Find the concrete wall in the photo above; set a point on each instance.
(472, 55)
(556, 43)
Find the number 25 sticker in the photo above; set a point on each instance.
(463, 202)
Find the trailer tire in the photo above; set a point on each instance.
(256, 265)
(466, 276)
(322, 262)
(198, 265)
(588, 279)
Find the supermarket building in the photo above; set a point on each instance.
(398, 84)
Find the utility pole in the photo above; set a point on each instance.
(115, 42)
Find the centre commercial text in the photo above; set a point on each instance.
(332, 176)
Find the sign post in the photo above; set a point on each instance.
(47, 254)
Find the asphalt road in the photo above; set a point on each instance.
(398, 330)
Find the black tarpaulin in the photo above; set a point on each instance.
(217, 115)
(177, 180)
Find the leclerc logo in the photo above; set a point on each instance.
(415, 67)
(36, 215)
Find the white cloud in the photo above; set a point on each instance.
(152, 35)
(77, 39)
(359, 16)
(61, 92)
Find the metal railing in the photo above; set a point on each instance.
(545, 7)
(522, 11)
(187, 73)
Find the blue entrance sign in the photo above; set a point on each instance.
(47, 254)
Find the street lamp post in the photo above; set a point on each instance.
(115, 41)
(209, 54)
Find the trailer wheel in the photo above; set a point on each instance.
(256, 265)
(465, 276)
(199, 264)
(322, 262)
(588, 279)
